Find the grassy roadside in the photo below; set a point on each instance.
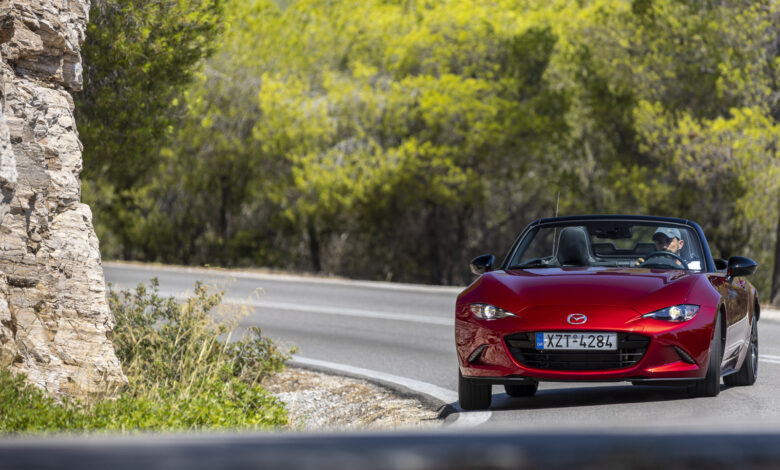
(185, 371)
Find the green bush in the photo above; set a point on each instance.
(24, 407)
(185, 370)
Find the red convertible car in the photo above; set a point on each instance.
(606, 298)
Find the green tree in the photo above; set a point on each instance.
(706, 121)
(672, 115)
(396, 140)
(371, 124)
(138, 57)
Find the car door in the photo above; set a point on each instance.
(736, 296)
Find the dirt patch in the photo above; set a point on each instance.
(317, 401)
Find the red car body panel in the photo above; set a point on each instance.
(614, 300)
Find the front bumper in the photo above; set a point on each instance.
(674, 351)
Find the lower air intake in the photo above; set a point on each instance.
(630, 350)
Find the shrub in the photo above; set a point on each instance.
(186, 370)
(24, 407)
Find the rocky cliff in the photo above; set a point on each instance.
(54, 319)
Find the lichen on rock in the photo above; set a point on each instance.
(54, 318)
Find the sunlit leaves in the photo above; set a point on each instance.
(431, 129)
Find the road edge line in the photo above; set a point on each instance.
(313, 279)
(446, 401)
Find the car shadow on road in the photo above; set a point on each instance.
(589, 396)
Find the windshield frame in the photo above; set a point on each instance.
(708, 265)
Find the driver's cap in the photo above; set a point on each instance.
(669, 232)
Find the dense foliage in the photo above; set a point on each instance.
(139, 56)
(396, 140)
(185, 371)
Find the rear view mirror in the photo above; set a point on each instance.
(740, 266)
(721, 264)
(482, 264)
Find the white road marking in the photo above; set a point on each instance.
(347, 312)
(769, 358)
(463, 420)
(287, 277)
(340, 311)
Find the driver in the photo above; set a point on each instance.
(667, 239)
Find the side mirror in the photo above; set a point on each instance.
(740, 266)
(482, 264)
(721, 264)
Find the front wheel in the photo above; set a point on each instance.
(748, 373)
(473, 395)
(710, 385)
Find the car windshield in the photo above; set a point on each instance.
(610, 243)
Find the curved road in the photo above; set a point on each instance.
(407, 331)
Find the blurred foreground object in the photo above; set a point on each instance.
(478, 450)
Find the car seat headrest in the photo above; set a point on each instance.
(574, 247)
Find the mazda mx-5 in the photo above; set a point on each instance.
(606, 298)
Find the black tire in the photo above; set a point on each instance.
(473, 395)
(710, 385)
(521, 390)
(748, 373)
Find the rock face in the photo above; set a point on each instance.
(54, 319)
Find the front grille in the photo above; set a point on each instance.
(631, 348)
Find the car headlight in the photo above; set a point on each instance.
(488, 312)
(674, 313)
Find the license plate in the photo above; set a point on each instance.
(589, 341)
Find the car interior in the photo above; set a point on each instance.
(606, 245)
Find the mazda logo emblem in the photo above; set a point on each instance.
(576, 319)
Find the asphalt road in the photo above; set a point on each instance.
(407, 331)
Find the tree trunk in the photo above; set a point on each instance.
(224, 218)
(775, 296)
(433, 245)
(314, 247)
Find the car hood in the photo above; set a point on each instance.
(642, 290)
